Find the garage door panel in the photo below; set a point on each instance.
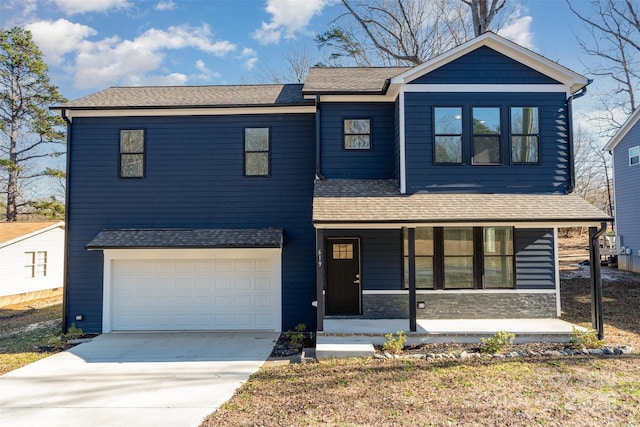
(202, 294)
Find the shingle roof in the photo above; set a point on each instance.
(187, 238)
(13, 230)
(191, 96)
(349, 80)
(376, 201)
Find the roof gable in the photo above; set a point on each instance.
(509, 49)
(484, 65)
(623, 131)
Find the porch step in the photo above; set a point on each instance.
(334, 347)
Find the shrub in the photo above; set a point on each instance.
(298, 337)
(586, 339)
(394, 345)
(497, 343)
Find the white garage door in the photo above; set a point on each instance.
(195, 294)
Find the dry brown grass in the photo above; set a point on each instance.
(566, 391)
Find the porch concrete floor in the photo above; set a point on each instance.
(445, 330)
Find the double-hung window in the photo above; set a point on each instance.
(424, 251)
(132, 153)
(357, 134)
(498, 257)
(447, 134)
(36, 263)
(525, 146)
(634, 155)
(256, 151)
(486, 136)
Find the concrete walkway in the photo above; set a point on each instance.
(137, 379)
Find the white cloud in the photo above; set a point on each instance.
(518, 30)
(288, 18)
(250, 58)
(205, 73)
(165, 5)
(16, 12)
(57, 38)
(135, 62)
(72, 7)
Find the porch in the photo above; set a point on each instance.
(349, 337)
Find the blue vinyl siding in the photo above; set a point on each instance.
(627, 190)
(193, 179)
(535, 259)
(551, 175)
(376, 163)
(484, 66)
(380, 255)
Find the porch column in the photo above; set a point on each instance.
(319, 279)
(411, 237)
(597, 321)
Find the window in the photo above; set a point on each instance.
(256, 152)
(486, 136)
(634, 155)
(462, 258)
(36, 264)
(342, 251)
(498, 257)
(447, 134)
(424, 258)
(524, 135)
(458, 258)
(132, 153)
(357, 134)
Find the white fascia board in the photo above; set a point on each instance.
(398, 225)
(33, 233)
(622, 132)
(165, 112)
(526, 88)
(571, 79)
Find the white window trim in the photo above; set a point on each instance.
(637, 148)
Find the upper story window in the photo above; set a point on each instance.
(448, 134)
(486, 136)
(524, 135)
(634, 155)
(357, 134)
(36, 264)
(132, 153)
(256, 152)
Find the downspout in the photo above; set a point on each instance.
(318, 134)
(597, 321)
(63, 113)
(569, 106)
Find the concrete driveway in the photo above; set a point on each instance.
(133, 379)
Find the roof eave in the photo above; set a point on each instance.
(623, 131)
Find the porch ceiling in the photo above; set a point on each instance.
(356, 202)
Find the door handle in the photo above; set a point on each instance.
(357, 281)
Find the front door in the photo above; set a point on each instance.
(343, 277)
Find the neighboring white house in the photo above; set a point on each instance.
(31, 258)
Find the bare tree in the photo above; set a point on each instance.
(297, 62)
(406, 32)
(593, 181)
(613, 46)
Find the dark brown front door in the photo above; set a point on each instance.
(343, 277)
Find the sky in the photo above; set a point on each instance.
(90, 45)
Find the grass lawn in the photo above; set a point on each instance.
(542, 391)
(29, 332)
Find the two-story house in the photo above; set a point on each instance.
(372, 193)
(625, 148)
